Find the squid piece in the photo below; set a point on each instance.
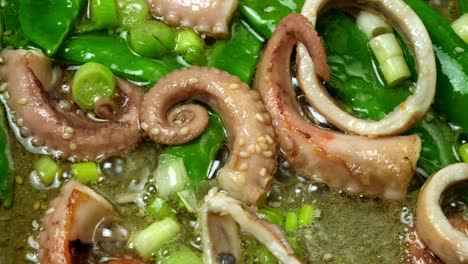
(433, 227)
(377, 167)
(29, 83)
(72, 216)
(220, 236)
(247, 174)
(409, 112)
(205, 16)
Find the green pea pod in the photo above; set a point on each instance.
(357, 85)
(263, 16)
(6, 165)
(199, 153)
(12, 33)
(452, 64)
(244, 46)
(114, 53)
(48, 23)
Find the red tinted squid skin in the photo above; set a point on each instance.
(28, 77)
(359, 165)
(247, 174)
(205, 16)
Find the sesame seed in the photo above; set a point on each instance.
(258, 149)
(73, 146)
(36, 206)
(144, 126)
(178, 122)
(20, 121)
(264, 146)
(459, 49)
(259, 118)
(69, 129)
(243, 154)
(269, 140)
(251, 148)
(184, 130)
(261, 139)
(155, 131)
(234, 86)
(193, 81)
(1, 60)
(67, 135)
(263, 172)
(19, 180)
(6, 95)
(3, 87)
(269, 9)
(22, 101)
(243, 167)
(268, 154)
(241, 178)
(242, 141)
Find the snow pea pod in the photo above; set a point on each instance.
(114, 53)
(12, 33)
(356, 83)
(263, 16)
(48, 23)
(463, 6)
(6, 165)
(452, 64)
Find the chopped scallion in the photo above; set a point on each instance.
(264, 256)
(86, 172)
(151, 39)
(372, 24)
(463, 151)
(460, 26)
(183, 256)
(153, 237)
(102, 15)
(306, 215)
(189, 200)
(171, 175)
(190, 46)
(47, 169)
(159, 208)
(291, 222)
(271, 215)
(395, 70)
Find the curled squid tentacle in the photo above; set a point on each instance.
(248, 172)
(28, 80)
(377, 167)
(219, 218)
(205, 16)
(405, 115)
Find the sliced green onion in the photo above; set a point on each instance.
(190, 46)
(151, 39)
(306, 215)
(183, 256)
(153, 237)
(102, 15)
(132, 12)
(170, 175)
(460, 26)
(91, 83)
(189, 200)
(295, 246)
(463, 151)
(264, 256)
(271, 215)
(86, 172)
(47, 169)
(291, 223)
(390, 57)
(395, 70)
(159, 208)
(372, 24)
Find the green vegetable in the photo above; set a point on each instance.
(6, 164)
(265, 15)
(199, 154)
(297, 249)
(92, 83)
(290, 223)
(47, 23)
(170, 176)
(47, 169)
(452, 64)
(244, 45)
(463, 6)
(271, 215)
(190, 46)
(151, 39)
(153, 237)
(86, 172)
(189, 200)
(113, 52)
(264, 256)
(356, 84)
(12, 33)
(463, 151)
(102, 14)
(372, 24)
(132, 12)
(183, 256)
(460, 26)
(306, 215)
(159, 208)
